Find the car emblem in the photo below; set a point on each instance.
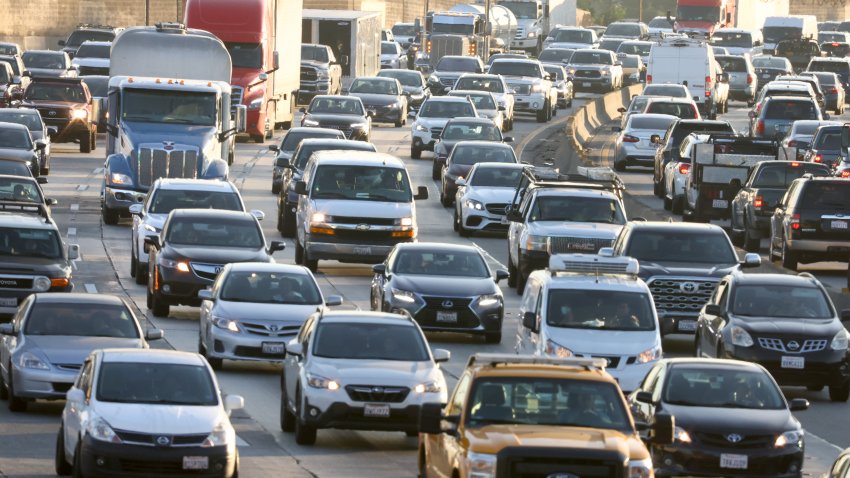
(689, 287)
(273, 328)
(163, 440)
(363, 227)
(562, 475)
(447, 304)
(793, 345)
(218, 269)
(168, 145)
(734, 438)
(377, 389)
(52, 113)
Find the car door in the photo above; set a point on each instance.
(777, 221)
(74, 414)
(712, 325)
(527, 339)
(305, 204)
(516, 229)
(444, 450)
(293, 364)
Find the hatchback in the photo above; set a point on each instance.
(780, 112)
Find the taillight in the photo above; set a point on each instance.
(684, 168)
(627, 138)
(818, 158)
(795, 164)
(760, 127)
(795, 222)
(833, 90)
(758, 202)
(845, 173)
(750, 79)
(708, 80)
(792, 143)
(648, 79)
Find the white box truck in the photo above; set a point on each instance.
(751, 14)
(788, 27)
(355, 38)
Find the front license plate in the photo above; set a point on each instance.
(793, 362)
(687, 325)
(838, 225)
(719, 203)
(274, 348)
(586, 84)
(737, 462)
(363, 251)
(378, 410)
(8, 301)
(196, 462)
(446, 316)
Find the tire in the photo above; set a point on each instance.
(619, 166)
(677, 206)
(77, 469)
(85, 143)
(400, 121)
(141, 273)
(312, 265)
(839, 393)
(520, 278)
(93, 141)
(657, 189)
(276, 188)
(4, 392)
(541, 115)
(493, 337)
(299, 253)
(133, 263)
(444, 199)
(415, 153)
(110, 216)
(789, 258)
(668, 203)
(60, 461)
(215, 362)
(752, 242)
(287, 418)
(304, 434)
(456, 221)
(435, 170)
(286, 224)
(16, 403)
(258, 138)
(155, 304)
(512, 273)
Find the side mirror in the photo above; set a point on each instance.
(276, 246)
(295, 349)
(137, 209)
(644, 397)
(52, 130)
(153, 241)
(460, 182)
(663, 429)
(73, 252)
(282, 162)
(421, 193)
(502, 108)
(274, 148)
(7, 329)
(621, 110)
(75, 395)
(370, 113)
(501, 275)
(441, 355)
(302, 110)
(205, 294)
(333, 300)
(431, 418)
(655, 139)
(616, 129)
(508, 139)
(529, 321)
(233, 402)
(751, 260)
(154, 334)
(713, 309)
(301, 188)
(259, 215)
(411, 115)
(798, 405)
(513, 215)
(61, 43)
(379, 269)
(263, 76)
(40, 144)
(51, 202)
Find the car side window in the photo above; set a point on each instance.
(530, 301)
(84, 379)
(524, 206)
(723, 295)
(787, 198)
(839, 467)
(302, 334)
(459, 397)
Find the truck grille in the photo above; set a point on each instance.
(236, 95)
(792, 346)
(442, 45)
(588, 74)
(370, 393)
(54, 113)
(681, 295)
(522, 89)
(364, 220)
(538, 463)
(562, 245)
(520, 34)
(159, 163)
(308, 74)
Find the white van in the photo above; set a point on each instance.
(690, 62)
(738, 42)
(789, 27)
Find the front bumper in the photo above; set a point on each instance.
(243, 346)
(423, 140)
(533, 102)
(462, 315)
(482, 219)
(50, 384)
(702, 460)
(827, 367)
(362, 252)
(341, 415)
(604, 83)
(122, 199)
(180, 288)
(68, 130)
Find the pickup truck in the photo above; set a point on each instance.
(321, 73)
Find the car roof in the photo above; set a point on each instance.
(516, 60)
(357, 158)
(267, 267)
(484, 144)
(52, 52)
(195, 184)
(776, 279)
(669, 99)
(211, 213)
(436, 246)
(490, 164)
(787, 85)
(78, 297)
(364, 317)
(485, 76)
(96, 43)
(674, 226)
(470, 92)
(694, 362)
(454, 99)
(158, 356)
(343, 143)
(26, 220)
(7, 125)
(594, 50)
(789, 98)
(652, 115)
(314, 130)
(559, 371)
(379, 78)
(574, 190)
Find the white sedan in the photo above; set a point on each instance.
(483, 195)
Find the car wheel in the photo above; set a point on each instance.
(521, 279)
(752, 240)
(463, 231)
(657, 189)
(512, 273)
(258, 138)
(4, 392)
(677, 206)
(415, 153)
(789, 258)
(287, 227)
(276, 188)
(697, 346)
(215, 362)
(77, 468)
(435, 170)
(493, 337)
(668, 203)
(541, 115)
(60, 461)
(141, 273)
(287, 418)
(16, 403)
(445, 200)
(93, 141)
(110, 216)
(456, 221)
(839, 393)
(304, 434)
(299, 253)
(619, 166)
(155, 303)
(400, 121)
(85, 143)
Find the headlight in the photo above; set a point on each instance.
(99, 429)
(641, 468)
(150, 228)
(421, 128)
(571, 71)
(649, 355)
(220, 436)
(556, 350)
(31, 360)
(537, 88)
(428, 387)
(536, 243)
(604, 72)
(321, 217)
(41, 283)
(489, 300)
(481, 465)
(79, 114)
(226, 324)
(403, 221)
(322, 75)
(793, 437)
(839, 342)
(473, 204)
(170, 264)
(317, 381)
(433, 78)
(741, 337)
(360, 125)
(532, 34)
(309, 122)
(404, 296)
(681, 436)
(118, 178)
(255, 105)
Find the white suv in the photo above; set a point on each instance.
(359, 371)
(432, 118)
(595, 306)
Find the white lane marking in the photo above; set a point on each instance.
(75, 207)
(90, 288)
(82, 187)
(489, 256)
(241, 442)
(810, 435)
(72, 231)
(98, 171)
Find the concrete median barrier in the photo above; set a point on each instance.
(587, 119)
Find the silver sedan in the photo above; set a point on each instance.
(633, 146)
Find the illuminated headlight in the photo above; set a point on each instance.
(317, 381)
(322, 75)
(309, 122)
(433, 78)
(319, 217)
(604, 72)
(171, 264)
(740, 337)
(473, 204)
(839, 342)
(537, 88)
(404, 221)
(150, 228)
(360, 125)
(226, 324)
(79, 114)
(220, 436)
(404, 296)
(790, 438)
(641, 468)
(571, 71)
(554, 349)
(428, 387)
(489, 300)
(99, 429)
(481, 465)
(532, 34)
(255, 105)
(32, 361)
(681, 436)
(41, 283)
(536, 243)
(118, 178)
(649, 355)
(421, 128)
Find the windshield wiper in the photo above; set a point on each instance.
(330, 194)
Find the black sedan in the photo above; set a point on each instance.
(16, 143)
(464, 156)
(383, 97)
(731, 420)
(40, 132)
(785, 323)
(463, 129)
(287, 146)
(443, 287)
(345, 113)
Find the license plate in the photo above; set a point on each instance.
(765, 75)
(8, 301)
(838, 225)
(446, 316)
(687, 325)
(274, 348)
(719, 203)
(363, 251)
(196, 462)
(793, 362)
(586, 84)
(737, 462)
(376, 410)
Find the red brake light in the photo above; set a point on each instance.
(795, 222)
(760, 127)
(833, 90)
(648, 79)
(708, 80)
(758, 202)
(792, 143)
(795, 164)
(845, 173)
(684, 168)
(818, 158)
(835, 44)
(750, 79)
(630, 139)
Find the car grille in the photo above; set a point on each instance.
(792, 346)
(54, 113)
(206, 271)
(521, 89)
(376, 393)
(364, 220)
(427, 316)
(345, 130)
(447, 81)
(159, 163)
(308, 74)
(236, 93)
(270, 330)
(528, 462)
(153, 439)
(674, 296)
(496, 208)
(722, 440)
(520, 34)
(561, 245)
(588, 74)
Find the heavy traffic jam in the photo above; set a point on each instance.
(484, 243)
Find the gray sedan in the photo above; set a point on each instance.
(633, 146)
(44, 346)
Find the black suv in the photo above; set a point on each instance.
(785, 323)
(668, 146)
(87, 32)
(812, 222)
(193, 247)
(682, 264)
(826, 146)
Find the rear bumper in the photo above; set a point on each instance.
(811, 250)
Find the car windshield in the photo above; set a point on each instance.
(15, 138)
(610, 44)
(93, 51)
(9, 49)
(166, 200)
(572, 36)
(830, 196)
(556, 55)
(245, 55)
(270, 288)
(679, 110)
(547, 401)
(81, 318)
(20, 189)
(661, 22)
(630, 61)
(52, 61)
(219, 232)
(375, 86)
(406, 78)
(29, 119)
(790, 110)
(599, 310)
(732, 63)
(78, 37)
(638, 104)
(516, 68)
(294, 138)
(388, 48)
(643, 122)
(733, 39)
(591, 58)
(15, 168)
(439, 26)
(72, 93)
(496, 177)
(506, 56)
(474, 131)
(732, 387)
(780, 301)
(446, 109)
(828, 140)
(336, 105)
(25, 242)
(623, 30)
(780, 176)
(447, 263)
(778, 63)
(370, 341)
(361, 183)
(314, 53)
(577, 209)
(557, 72)
(170, 107)
(776, 34)
(306, 150)
(404, 30)
(640, 49)
(830, 66)
(156, 383)
(681, 246)
(522, 10)
(493, 85)
(481, 102)
(469, 64)
(98, 85)
(697, 13)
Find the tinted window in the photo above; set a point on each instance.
(496, 177)
(166, 200)
(336, 105)
(458, 64)
(156, 383)
(599, 310)
(361, 183)
(406, 78)
(404, 30)
(492, 85)
(388, 48)
(825, 196)
(557, 72)
(78, 37)
(374, 86)
(293, 138)
(555, 55)
(440, 263)
(174, 107)
(831, 66)
(73, 93)
(623, 30)
(790, 110)
(660, 22)
(364, 341)
(81, 319)
(637, 122)
(681, 246)
(768, 62)
(9, 49)
(306, 150)
(732, 63)
(314, 53)
(55, 61)
(640, 49)
(98, 85)
(828, 141)
(20, 189)
(93, 51)
(781, 176)
(514, 68)
(732, 39)
(573, 36)
(245, 55)
(576, 209)
(460, 131)
(721, 387)
(220, 232)
(591, 58)
(15, 138)
(445, 109)
(610, 44)
(779, 301)
(680, 110)
(270, 288)
(15, 168)
(30, 119)
(468, 155)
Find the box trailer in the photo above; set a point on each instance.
(354, 37)
(750, 14)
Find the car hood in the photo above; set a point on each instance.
(489, 195)
(582, 66)
(336, 119)
(649, 268)
(762, 326)
(604, 342)
(316, 64)
(371, 99)
(19, 154)
(742, 421)
(570, 45)
(432, 122)
(264, 312)
(574, 229)
(63, 349)
(493, 438)
(93, 62)
(164, 419)
(444, 286)
(363, 372)
(377, 209)
(56, 105)
(218, 255)
(155, 220)
(34, 265)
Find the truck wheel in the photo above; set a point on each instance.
(415, 153)
(258, 138)
(839, 393)
(110, 216)
(85, 143)
(752, 240)
(93, 141)
(541, 115)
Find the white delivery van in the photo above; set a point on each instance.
(789, 27)
(689, 62)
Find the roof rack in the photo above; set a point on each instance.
(95, 26)
(598, 264)
(506, 359)
(586, 177)
(25, 207)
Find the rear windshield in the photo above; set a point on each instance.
(780, 63)
(826, 78)
(781, 176)
(675, 91)
(573, 36)
(630, 61)
(732, 39)
(623, 30)
(828, 141)
(833, 66)
(682, 131)
(458, 64)
(515, 68)
(294, 138)
(831, 195)
(804, 128)
(661, 22)
(556, 55)
(445, 109)
(732, 63)
(469, 154)
(680, 110)
(493, 85)
(681, 246)
(78, 37)
(496, 177)
(93, 51)
(404, 30)
(791, 110)
(650, 123)
(641, 49)
(166, 200)
(306, 151)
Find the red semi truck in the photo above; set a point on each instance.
(703, 17)
(263, 38)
